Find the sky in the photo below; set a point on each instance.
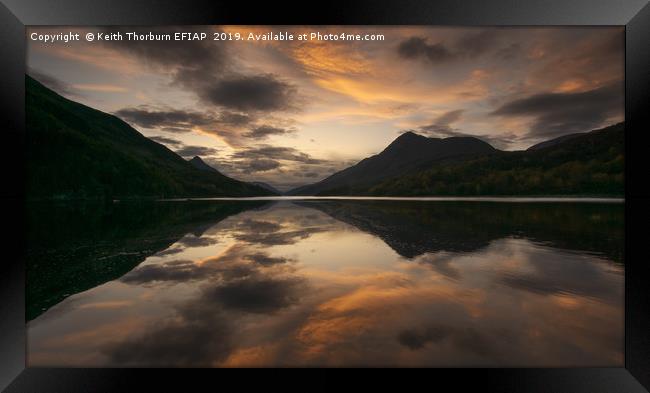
(291, 113)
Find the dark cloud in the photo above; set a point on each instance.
(258, 165)
(250, 93)
(226, 124)
(418, 47)
(191, 151)
(442, 124)
(442, 127)
(277, 153)
(234, 119)
(207, 69)
(167, 120)
(310, 174)
(53, 83)
(467, 46)
(264, 131)
(189, 62)
(564, 113)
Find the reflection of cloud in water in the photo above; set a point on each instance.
(199, 333)
(441, 262)
(253, 301)
(236, 262)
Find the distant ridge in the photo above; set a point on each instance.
(555, 141)
(405, 154)
(198, 163)
(582, 164)
(267, 187)
(77, 152)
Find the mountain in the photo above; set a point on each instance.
(199, 164)
(408, 153)
(555, 141)
(77, 152)
(579, 164)
(588, 164)
(266, 186)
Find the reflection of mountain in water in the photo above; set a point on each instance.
(415, 228)
(76, 247)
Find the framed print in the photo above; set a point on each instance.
(210, 187)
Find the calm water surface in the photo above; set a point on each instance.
(326, 283)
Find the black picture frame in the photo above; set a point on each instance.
(633, 14)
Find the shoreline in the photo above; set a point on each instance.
(508, 199)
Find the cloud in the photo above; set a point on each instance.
(467, 46)
(563, 113)
(263, 131)
(208, 70)
(188, 62)
(277, 153)
(418, 47)
(258, 165)
(234, 118)
(442, 124)
(166, 120)
(191, 151)
(264, 93)
(231, 126)
(228, 125)
(184, 150)
(441, 127)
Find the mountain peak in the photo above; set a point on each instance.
(409, 135)
(198, 163)
(405, 139)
